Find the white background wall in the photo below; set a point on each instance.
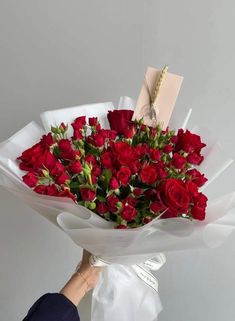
(58, 53)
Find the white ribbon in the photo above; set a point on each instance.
(143, 270)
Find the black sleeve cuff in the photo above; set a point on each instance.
(53, 307)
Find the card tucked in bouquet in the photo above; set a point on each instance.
(158, 109)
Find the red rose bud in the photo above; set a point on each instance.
(113, 183)
(191, 187)
(77, 134)
(63, 128)
(106, 160)
(102, 208)
(128, 213)
(198, 178)
(167, 149)
(66, 193)
(87, 194)
(178, 161)
(96, 170)
(58, 169)
(90, 159)
(93, 121)
(138, 191)
(154, 154)
(30, 179)
(46, 141)
(46, 190)
(147, 219)
(195, 158)
(41, 189)
(66, 150)
(174, 139)
(62, 179)
(148, 174)
(75, 167)
(112, 203)
(156, 207)
(123, 175)
(130, 200)
(52, 190)
(134, 166)
(129, 132)
(120, 120)
(199, 209)
(79, 123)
(121, 227)
(141, 150)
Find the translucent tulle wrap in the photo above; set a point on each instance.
(120, 293)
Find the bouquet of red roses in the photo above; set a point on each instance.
(88, 178)
(128, 174)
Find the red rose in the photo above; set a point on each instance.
(123, 152)
(156, 207)
(113, 183)
(195, 158)
(96, 171)
(120, 120)
(128, 213)
(93, 121)
(62, 178)
(66, 193)
(142, 149)
(87, 194)
(191, 187)
(30, 179)
(160, 168)
(90, 159)
(154, 154)
(147, 219)
(199, 209)
(148, 174)
(138, 191)
(75, 167)
(106, 160)
(112, 202)
(175, 197)
(134, 166)
(29, 157)
(97, 140)
(52, 190)
(178, 161)
(79, 122)
(102, 208)
(46, 160)
(196, 177)
(121, 227)
(46, 141)
(188, 142)
(123, 175)
(46, 190)
(57, 170)
(130, 200)
(167, 149)
(129, 132)
(65, 149)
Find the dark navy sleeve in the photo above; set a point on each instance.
(53, 307)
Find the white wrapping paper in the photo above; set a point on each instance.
(119, 285)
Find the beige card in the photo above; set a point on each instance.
(166, 99)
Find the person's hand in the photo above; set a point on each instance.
(90, 273)
(83, 280)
